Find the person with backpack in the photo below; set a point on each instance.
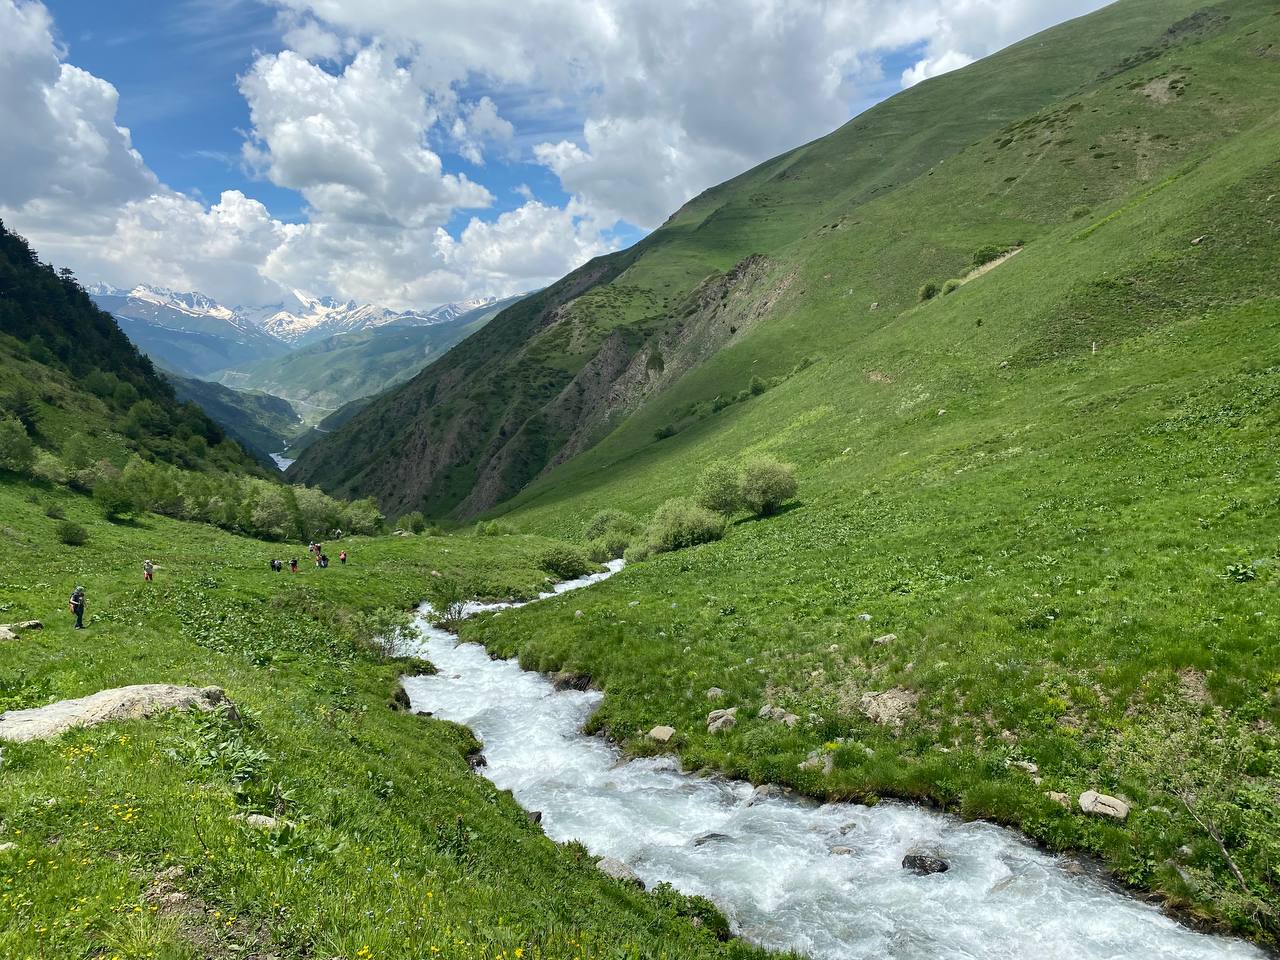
(77, 606)
(342, 558)
(293, 565)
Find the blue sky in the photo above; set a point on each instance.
(411, 152)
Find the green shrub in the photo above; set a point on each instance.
(766, 485)
(54, 511)
(414, 522)
(494, 528)
(17, 453)
(757, 386)
(610, 519)
(638, 553)
(665, 431)
(929, 291)
(565, 562)
(72, 534)
(718, 488)
(951, 286)
(681, 523)
(988, 254)
(448, 598)
(115, 497)
(49, 468)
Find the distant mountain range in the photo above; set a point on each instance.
(197, 336)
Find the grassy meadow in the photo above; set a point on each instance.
(392, 846)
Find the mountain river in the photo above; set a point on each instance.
(773, 871)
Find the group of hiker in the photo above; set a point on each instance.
(317, 553)
(76, 603)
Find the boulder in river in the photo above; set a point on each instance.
(705, 838)
(721, 720)
(924, 862)
(662, 733)
(1101, 805)
(121, 703)
(619, 871)
(759, 793)
(841, 851)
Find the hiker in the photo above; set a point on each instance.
(293, 565)
(77, 606)
(342, 558)
(324, 561)
(148, 571)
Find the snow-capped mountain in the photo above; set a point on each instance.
(307, 319)
(194, 334)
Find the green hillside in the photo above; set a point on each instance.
(323, 377)
(1054, 485)
(81, 391)
(1005, 150)
(259, 422)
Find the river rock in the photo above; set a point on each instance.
(924, 862)
(841, 851)
(569, 680)
(890, 707)
(704, 839)
(535, 816)
(121, 703)
(662, 734)
(1102, 805)
(761, 792)
(721, 720)
(1061, 799)
(400, 700)
(619, 871)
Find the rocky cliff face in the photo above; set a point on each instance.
(546, 380)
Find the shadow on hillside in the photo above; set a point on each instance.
(785, 508)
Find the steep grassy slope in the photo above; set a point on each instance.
(73, 378)
(322, 377)
(395, 849)
(1056, 487)
(553, 376)
(261, 423)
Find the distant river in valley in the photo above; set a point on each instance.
(774, 870)
(281, 461)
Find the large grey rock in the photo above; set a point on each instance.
(120, 703)
(721, 720)
(9, 631)
(1101, 805)
(662, 733)
(619, 871)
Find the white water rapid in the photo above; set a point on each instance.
(773, 873)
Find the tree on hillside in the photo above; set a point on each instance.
(17, 452)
